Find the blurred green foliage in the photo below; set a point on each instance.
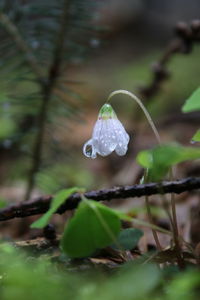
(159, 160)
(193, 102)
(196, 137)
(7, 128)
(51, 178)
(182, 68)
(35, 25)
(22, 277)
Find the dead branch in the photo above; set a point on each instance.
(41, 204)
(186, 35)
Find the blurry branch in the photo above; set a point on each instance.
(22, 46)
(41, 204)
(47, 92)
(186, 36)
(47, 82)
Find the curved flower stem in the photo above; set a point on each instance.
(155, 131)
(139, 102)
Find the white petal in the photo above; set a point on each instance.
(89, 149)
(97, 129)
(108, 135)
(122, 138)
(104, 146)
(121, 150)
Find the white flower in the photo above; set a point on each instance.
(108, 135)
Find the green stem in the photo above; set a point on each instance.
(155, 131)
(180, 260)
(139, 102)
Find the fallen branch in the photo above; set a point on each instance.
(186, 36)
(41, 204)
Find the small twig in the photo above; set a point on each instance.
(186, 36)
(41, 205)
(155, 236)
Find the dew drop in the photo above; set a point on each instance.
(88, 151)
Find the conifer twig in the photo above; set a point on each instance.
(22, 45)
(47, 92)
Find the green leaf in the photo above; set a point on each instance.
(196, 137)
(93, 226)
(160, 159)
(129, 238)
(193, 102)
(59, 199)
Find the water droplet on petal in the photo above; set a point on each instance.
(89, 150)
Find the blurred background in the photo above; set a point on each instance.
(59, 60)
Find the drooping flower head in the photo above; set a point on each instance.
(108, 135)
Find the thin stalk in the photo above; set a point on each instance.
(158, 245)
(139, 102)
(173, 225)
(166, 209)
(173, 206)
(155, 131)
(180, 260)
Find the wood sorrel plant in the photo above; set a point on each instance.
(109, 135)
